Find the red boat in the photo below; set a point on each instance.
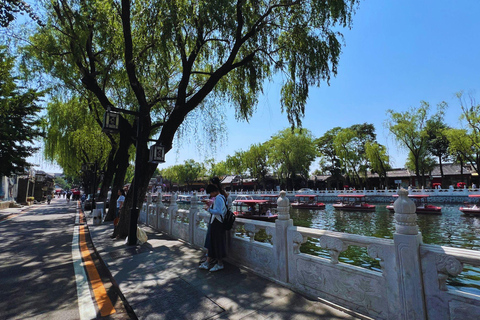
(304, 201)
(421, 203)
(257, 210)
(353, 202)
(271, 198)
(472, 209)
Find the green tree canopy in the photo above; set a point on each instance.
(378, 159)
(165, 59)
(409, 130)
(256, 162)
(19, 120)
(291, 152)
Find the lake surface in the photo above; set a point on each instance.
(451, 228)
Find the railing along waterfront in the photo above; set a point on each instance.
(410, 284)
(375, 192)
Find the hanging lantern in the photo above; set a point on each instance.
(157, 154)
(111, 121)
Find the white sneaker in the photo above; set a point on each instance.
(203, 266)
(216, 268)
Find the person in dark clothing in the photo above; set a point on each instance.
(215, 241)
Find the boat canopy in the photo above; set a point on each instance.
(474, 195)
(351, 195)
(252, 201)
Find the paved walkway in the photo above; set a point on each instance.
(161, 280)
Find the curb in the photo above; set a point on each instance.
(127, 306)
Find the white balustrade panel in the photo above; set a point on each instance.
(180, 225)
(245, 251)
(438, 264)
(356, 288)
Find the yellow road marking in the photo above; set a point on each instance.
(104, 303)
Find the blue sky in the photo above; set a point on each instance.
(396, 54)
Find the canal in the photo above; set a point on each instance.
(451, 228)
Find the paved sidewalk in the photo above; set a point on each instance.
(161, 280)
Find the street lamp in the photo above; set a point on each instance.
(157, 155)
(111, 121)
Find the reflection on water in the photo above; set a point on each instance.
(451, 228)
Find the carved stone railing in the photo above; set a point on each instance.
(411, 284)
(438, 264)
(364, 291)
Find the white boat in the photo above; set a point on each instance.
(471, 208)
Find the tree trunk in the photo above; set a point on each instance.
(119, 165)
(108, 176)
(441, 167)
(145, 172)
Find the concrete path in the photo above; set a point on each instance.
(161, 280)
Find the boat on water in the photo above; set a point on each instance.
(256, 210)
(353, 202)
(422, 204)
(184, 198)
(271, 198)
(472, 209)
(307, 201)
(242, 197)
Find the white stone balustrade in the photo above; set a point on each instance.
(412, 283)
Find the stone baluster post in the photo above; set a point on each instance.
(281, 246)
(172, 212)
(159, 210)
(407, 241)
(192, 213)
(148, 217)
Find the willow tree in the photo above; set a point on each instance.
(256, 161)
(291, 153)
(378, 159)
(166, 59)
(349, 145)
(72, 138)
(409, 130)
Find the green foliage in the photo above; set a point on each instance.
(329, 161)
(236, 164)
(62, 183)
(216, 169)
(10, 8)
(349, 145)
(72, 136)
(378, 158)
(464, 144)
(291, 152)
(185, 173)
(19, 120)
(408, 128)
(256, 161)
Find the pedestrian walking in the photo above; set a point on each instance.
(215, 242)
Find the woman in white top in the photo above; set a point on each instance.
(215, 241)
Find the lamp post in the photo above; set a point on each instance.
(157, 155)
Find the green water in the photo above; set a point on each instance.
(451, 228)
